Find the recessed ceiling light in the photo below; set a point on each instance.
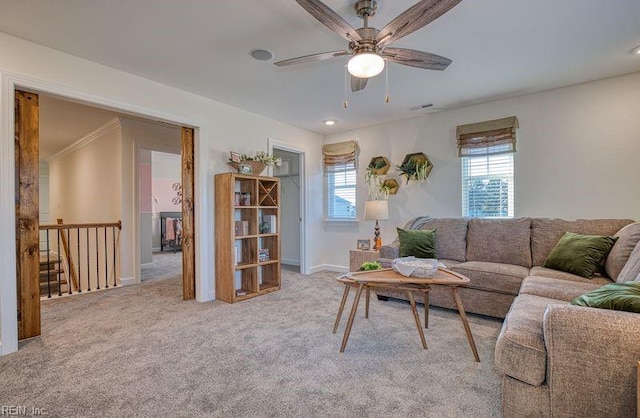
(261, 54)
(329, 122)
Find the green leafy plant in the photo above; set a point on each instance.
(371, 265)
(263, 157)
(415, 167)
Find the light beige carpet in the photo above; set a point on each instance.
(142, 351)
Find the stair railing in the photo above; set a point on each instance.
(78, 257)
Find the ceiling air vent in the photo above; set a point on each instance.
(421, 107)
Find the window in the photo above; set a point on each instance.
(487, 149)
(487, 185)
(341, 192)
(340, 166)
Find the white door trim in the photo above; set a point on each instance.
(9, 82)
(304, 206)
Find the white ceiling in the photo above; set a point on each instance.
(499, 48)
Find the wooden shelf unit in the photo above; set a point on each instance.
(247, 217)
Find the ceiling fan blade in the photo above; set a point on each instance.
(311, 58)
(330, 19)
(414, 18)
(415, 58)
(357, 83)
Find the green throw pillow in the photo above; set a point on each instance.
(419, 243)
(579, 254)
(616, 296)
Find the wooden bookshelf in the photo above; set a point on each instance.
(247, 222)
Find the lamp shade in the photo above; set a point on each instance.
(376, 209)
(365, 65)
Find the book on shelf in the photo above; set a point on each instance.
(263, 254)
(241, 228)
(237, 255)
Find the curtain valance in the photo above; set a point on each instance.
(340, 154)
(493, 137)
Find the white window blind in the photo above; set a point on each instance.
(340, 162)
(341, 191)
(487, 182)
(486, 149)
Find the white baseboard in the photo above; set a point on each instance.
(290, 262)
(329, 267)
(127, 281)
(146, 264)
(155, 249)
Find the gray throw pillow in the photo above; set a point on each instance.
(628, 238)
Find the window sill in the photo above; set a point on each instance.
(341, 223)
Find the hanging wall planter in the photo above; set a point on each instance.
(377, 168)
(390, 186)
(416, 166)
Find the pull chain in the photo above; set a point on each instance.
(386, 75)
(346, 102)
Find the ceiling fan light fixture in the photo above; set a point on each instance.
(365, 65)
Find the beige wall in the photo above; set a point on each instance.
(577, 150)
(85, 184)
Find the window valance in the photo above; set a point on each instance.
(491, 137)
(340, 155)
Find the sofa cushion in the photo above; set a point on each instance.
(615, 296)
(449, 263)
(555, 274)
(546, 232)
(500, 241)
(451, 237)
(520, 350)
(547, 287)
(628, 238)
(505, 278)
(580, 254)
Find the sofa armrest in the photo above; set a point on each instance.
(591, 360)
(390, 251)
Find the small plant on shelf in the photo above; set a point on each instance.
(258, 162)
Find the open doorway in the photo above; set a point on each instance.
(89, 176)
(292, 181)
(160, 214)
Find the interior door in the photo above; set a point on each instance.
(27, 136)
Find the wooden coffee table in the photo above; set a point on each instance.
(390, 279)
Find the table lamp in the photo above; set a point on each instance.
(376, 210)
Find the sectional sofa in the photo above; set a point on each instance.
(556, 359)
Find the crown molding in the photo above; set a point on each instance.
(102, 130)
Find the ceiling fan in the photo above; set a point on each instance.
(368, 46)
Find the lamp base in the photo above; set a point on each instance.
(377, 241)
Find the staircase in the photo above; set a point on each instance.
(49, 273)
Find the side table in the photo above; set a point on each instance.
(357, 257)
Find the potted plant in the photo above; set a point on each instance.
(258, 162)
(416, 166)
(377, 168)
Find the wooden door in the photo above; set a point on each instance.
(188, 225)
(27, 213)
